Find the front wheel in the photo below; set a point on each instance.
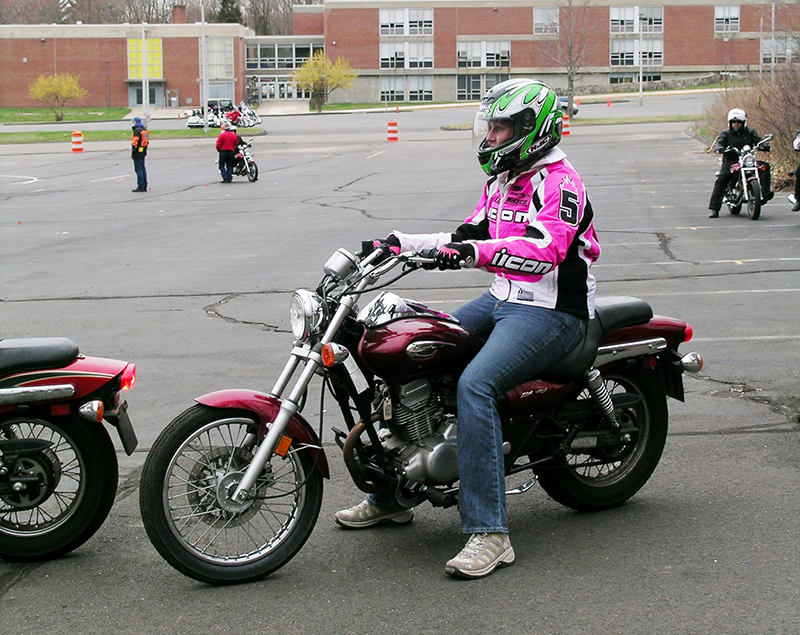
(754, 202)
(191, 471)
(77, 478)
(605, 477)
(252, 171)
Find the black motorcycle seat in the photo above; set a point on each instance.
(36, 353)
(610, 313)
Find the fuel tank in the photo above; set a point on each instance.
(405, 339)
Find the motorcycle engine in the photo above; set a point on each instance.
(419, 435)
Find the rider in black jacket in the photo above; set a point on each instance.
(738, 135)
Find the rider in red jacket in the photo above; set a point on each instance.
(226, 146)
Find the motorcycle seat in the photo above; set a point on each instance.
(610, 313)
(20, 355)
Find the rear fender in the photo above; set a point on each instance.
(266, 408)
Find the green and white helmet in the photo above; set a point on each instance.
(535, 112)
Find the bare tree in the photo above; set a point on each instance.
(90, 11)
(30, 12)
(577, 40)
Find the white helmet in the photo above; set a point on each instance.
(737, 114)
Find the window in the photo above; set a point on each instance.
(623, 19)
(498, 54)
(469, 88)
(420, 55)
(652, 52)
(545, 20)
(726, 19)
(406, 21)
(622, 52)
(469, 54)
(392, 88)
(267, 56)
(251, 57)
(392, 21)
(392, 55)
(220, 57)
(651, 19)
(630, 78)
(155, 68)
(420, 21)
(483, 54)
(786, 50)
(420, 88)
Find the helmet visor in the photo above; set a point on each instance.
(481, 128)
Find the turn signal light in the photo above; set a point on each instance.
(128, 378)
(333, 354)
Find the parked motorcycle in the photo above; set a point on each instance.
(194, 118)
(243, 162)
(745, 186)
(58, 466)
(232, 488)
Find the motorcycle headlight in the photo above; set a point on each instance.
(749, 161)
(305, 314)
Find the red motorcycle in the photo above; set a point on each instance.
(58, 466)
(232, 488)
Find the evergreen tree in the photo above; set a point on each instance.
(229, 11)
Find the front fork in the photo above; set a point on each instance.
(290, 405)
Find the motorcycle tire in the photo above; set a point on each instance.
(729, 196)
(608, 477)
(210, 538)
(79, 475)
(754, 202)
(252, 172)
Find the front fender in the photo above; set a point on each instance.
(266, 408)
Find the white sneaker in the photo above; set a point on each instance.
(365, 514)
(482, 554)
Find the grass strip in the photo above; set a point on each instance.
(45, 115)
(90, 136)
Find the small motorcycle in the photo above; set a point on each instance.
(232, 488)
(58, 466)
(745, 186)
(243, 162)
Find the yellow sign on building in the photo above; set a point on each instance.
(155, 66)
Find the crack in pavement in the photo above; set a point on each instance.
(212, 310)
(741, 390)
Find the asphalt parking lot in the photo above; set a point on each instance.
(192, 282)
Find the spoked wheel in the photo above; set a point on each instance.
(189, 476)
(754, 202)
(590, 480)
(252, 171)
(77, 481)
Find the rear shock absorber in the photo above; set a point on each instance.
(599, 392)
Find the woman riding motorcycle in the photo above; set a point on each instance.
(533, 229)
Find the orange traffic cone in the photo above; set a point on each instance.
(609, 102)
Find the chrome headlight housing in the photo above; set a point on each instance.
(305, 314)
(749, 161)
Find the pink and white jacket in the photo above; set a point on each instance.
(536, 233)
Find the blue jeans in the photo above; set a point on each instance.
(226, 165)
(522, 342)
(141, 172)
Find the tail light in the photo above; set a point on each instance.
(128, 378)
(688, 333)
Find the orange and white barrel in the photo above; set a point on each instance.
(391, 132)
(77, 141)
(565, 126)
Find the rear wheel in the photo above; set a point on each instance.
(591, 480)
(754, 202)
(187, 481)
(77, 478)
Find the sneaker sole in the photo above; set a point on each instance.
(501, 562)
(400, 519)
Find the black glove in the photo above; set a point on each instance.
(389, 245)
(456, 255)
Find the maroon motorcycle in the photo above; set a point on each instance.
(232, 487)
(58, 466)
